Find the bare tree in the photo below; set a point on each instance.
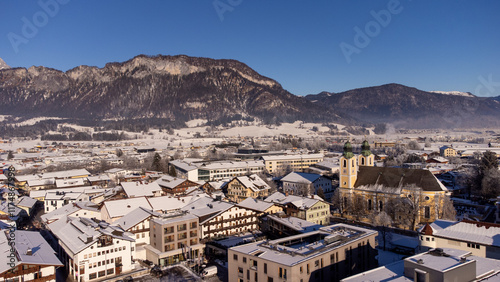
(383, 221)
(304, 189)
(358, 208)
(413, 145)
(445, 208)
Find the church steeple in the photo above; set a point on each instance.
(365, 149)
(348, 150)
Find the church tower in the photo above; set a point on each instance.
(348, 167)
(366, 157)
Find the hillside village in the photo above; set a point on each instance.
(256, 208)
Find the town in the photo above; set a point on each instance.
(315, 207)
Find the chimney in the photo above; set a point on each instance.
(29, 252)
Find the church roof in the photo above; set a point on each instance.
(398, 177)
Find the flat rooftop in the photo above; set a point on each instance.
(295, 249)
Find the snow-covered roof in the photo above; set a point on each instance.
(297, 201)
(41, 182)
(231, 164)
(253, 182)
(26, 201)
(134, 217)
(78, 233)
(138, 189)
(300, 177)
(115, 170)
(292, 157)
(169, 181)
(184, 165)
(68, 210)
(41, 252)
(255, 204)
(168, 203)
(296, 223)
(100, 177)
(66, 183)
(475, 232)
(206, 206)
(118, 208)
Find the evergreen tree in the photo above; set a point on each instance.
(156, 165)
(10, 156)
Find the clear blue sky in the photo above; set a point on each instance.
(431, 45)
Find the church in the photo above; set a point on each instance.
(408, 196)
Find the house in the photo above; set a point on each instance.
(436, 265)
(198, 170)
(447, 151)
(139, 189)
(301, 183)
(55, 200)
(313, 209)
(174, 186)
(365, 189)
(299, 162)
(328, 254)
(174, 238)
(92, 249)
(115, 209)
(479, 238)
(242, 187)
(27, 258)
(437, 160)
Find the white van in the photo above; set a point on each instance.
(209, 271)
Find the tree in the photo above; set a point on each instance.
(490, 184)
(171, 171)
(10, 155)
(157, 165)
(358, 207)
(445, 208)
(413, 145)
(488, 161)
(321, 193)
(119, 152)
(337, 201)
(383, 220)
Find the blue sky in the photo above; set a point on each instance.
(431, 45)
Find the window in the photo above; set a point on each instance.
(92, 276)
(240, 271)
(235, 257)
(244, 259)
(427, 239)
(427, 212)
(265, 268)
(102, 273)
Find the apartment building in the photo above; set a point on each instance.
(174, 238)
(328, 254)
(92, 249)
(242, 187)
(300, 162)
(214, 171)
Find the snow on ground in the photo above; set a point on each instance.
(297, 128)
(455, 93)
(196, 122)
(32, 121)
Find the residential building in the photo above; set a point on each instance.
(138, 223)
(27, 258)
(436, 265)
(218, 218)
(242, 187)
(174, 238)
(447, 151)
(301, 183)
(259, 206)
(479, 238)
(300, 162)
(55, 200)
(92, 249)
(313, 208)
(175, 186)
(328, 254)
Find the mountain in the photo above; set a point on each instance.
(409, 107)
(176, 88)
(3, 65)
